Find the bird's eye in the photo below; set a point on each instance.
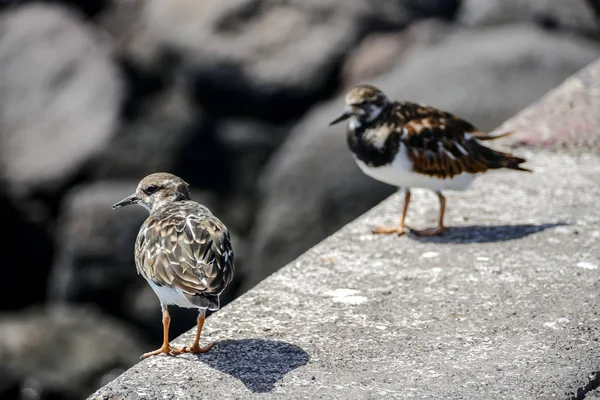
(151, 189)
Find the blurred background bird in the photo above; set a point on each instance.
(234, 98)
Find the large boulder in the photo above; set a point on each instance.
(62, 352)
(576, 15)
(312, 186)
(88, 7)
(165, 133)
(380, 52)
(490, 74)
(94, 261)
(60, 95)
(266, 58)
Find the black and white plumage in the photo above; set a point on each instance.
(415, 146)
(182, 250)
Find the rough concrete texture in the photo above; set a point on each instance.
(565, 118)
(504, 306)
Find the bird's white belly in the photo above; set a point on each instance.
(168, 295)
(399, 173)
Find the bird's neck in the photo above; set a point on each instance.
(160, 204)
(369, 140)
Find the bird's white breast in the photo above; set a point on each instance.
(170, 295)
(400, 173)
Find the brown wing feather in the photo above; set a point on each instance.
(193, 254)
(442, 145)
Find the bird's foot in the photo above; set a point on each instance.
(386, 230)
(165, 349)
(437, 231)
(194, 349)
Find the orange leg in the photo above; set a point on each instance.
(166, 347)
(440, 229)
(195, 348)
(398, 229)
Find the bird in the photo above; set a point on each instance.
(182, 250)
(410, 145)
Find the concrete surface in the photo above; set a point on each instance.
(566, 118)
(505, 306)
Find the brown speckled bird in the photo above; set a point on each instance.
(411, 145)
(182, 250)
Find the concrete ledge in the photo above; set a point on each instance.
(566, 118)
(503, 307)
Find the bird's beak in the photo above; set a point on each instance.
(343, 116)
(133, 199)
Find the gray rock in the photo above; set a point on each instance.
(265, 58)
(59, 97)
(488, 75)
(153, 138)
(312, 186)
(444, 9)
(88, 7)
(62, 352)
(94, 261)
(575, 15)
(379, 52)
(248, 146)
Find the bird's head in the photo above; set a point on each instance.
(157, 190)
(364, 104)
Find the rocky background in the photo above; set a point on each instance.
(234, 96)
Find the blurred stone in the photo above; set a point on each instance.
(380, 52)
(248, 145)
(575, 15)
(62, 352)
(59, 98)
(445, 9)
(595, 6)
(263, 58)
(312, 186)
(151, 138)
(95, 262)
(87, 7)
(488, 75)
(27, 252)
(165, 132)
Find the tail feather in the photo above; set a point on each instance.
(498, 159)
(495, 159)
(483, 136)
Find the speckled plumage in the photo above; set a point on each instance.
(184, 246)
(182, 250)
(438, 143)
(411, 145)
